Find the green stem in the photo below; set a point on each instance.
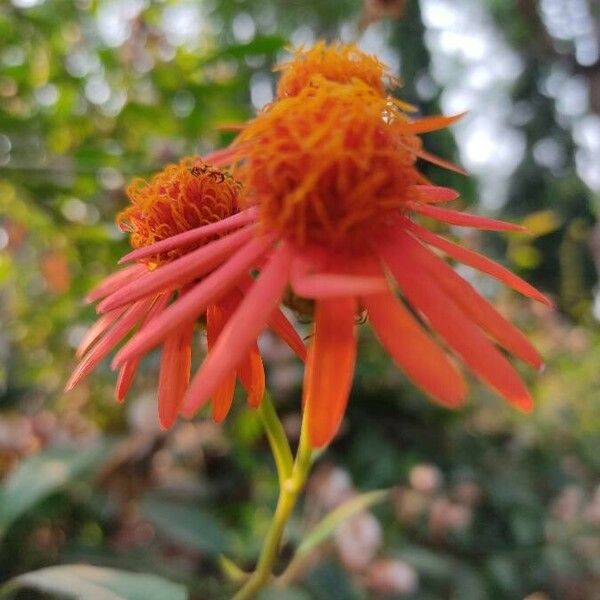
(277, 438)
(290, 488)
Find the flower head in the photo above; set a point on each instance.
(332, 189)
(330, 164)
(179, 198)
(172, 205)
(337, 62)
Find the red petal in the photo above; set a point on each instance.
(280, 324)
(462, 219)
(174, 376)
(434, 193)
(252, 375)
(114, 281)
(194, 303)
(192, 236)
(424, 362)
(241, 330)
(426, 124)
(128, 370)
(477, 261)
(329, 368)
(182, 270)
(217, 316)
(118, 331)
(470, 301)
(450, 322)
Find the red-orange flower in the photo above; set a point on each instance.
(176, 201)
(330, 176)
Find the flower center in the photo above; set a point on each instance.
(179, 198)
(338, 62)
(328, 165)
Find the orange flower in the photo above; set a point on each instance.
(331, 180)
(175, 202)
(338, 62)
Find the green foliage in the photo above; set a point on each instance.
(82, 582)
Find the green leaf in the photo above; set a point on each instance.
(328, 524)
(277, 593)
(85, 582)
(185, 525)
(264, 44)
(42, 475)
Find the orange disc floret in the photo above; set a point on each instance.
(330, 164)
(179, 198)
(337, 62)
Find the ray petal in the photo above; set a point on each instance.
(470, 301)
(461, 334)
(433, 193)
(114, 281)
(118, 331)
(427, 124)
(184, 269)
(97, 329)
(194, 303)
(280, 324)
(128, 370)
(174, 376)
(192, 236)
(252, 376)
(462, 219)
(329, 368)
(241, 330)
(217, 316)
(477, 261)
(423, 361)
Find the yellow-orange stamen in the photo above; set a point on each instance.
(179, 198)
(329, 163)
(339, 62)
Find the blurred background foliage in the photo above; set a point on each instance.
(486, 503)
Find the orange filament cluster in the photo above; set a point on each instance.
(179, 198)
(330, 164)
(337, 62)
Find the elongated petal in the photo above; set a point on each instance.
(426, 124)
(118, 331)
(423, 361)
(97, 329)
(252, 376)
(192, 236)
(462, 219)
(114, 281)
(477, 261)
(333, 285)
(459, 332)
(433, 193)
(241, 330)
(470, 301)
(333, 277)
(329, 368)
(280, 324)
(217, 316)
(194, 303)
(222, 157)
(125, 378)
(184, 269)
(128, 370)
(436, 160)
(174, 376)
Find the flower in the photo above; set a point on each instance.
(337, 62)
(175, 202)
(331, 186)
